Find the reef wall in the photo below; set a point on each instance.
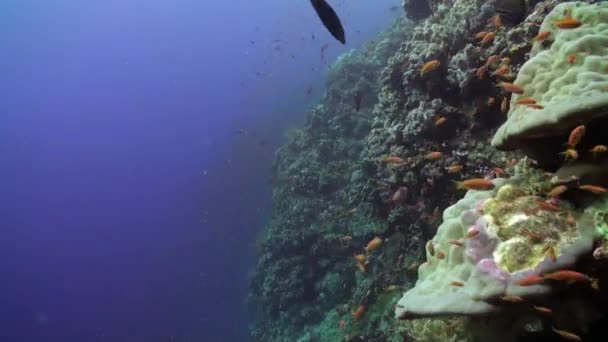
(359, 190)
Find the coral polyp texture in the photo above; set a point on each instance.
(566, 75)
(488, 242)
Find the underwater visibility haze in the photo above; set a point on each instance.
(136, 146)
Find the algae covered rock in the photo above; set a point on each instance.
(487, 243)
(567, 74)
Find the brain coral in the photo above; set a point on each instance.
(567, 75)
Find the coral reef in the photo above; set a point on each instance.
(359, 190)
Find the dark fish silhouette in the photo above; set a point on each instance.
(330, 19)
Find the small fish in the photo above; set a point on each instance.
(598, 149)
(556, 191)
(429, 66)
(362, 268)
(512, 299)
(347, 238)
(503, 105)
(571, 59)
(567, 23)
(498, 171)
(502, 71)
(530, 280)
(566, 335)
(525, 100)
(391, 288)
(491, 101)
(487, 38)
(431, 248)
(360, 258)
(373, 244)
(359, 312)
(511, 87)
(492, 60)
(570, 154)
(330, 19)
(567, 275)
(481, 72)
(456, 243)
(595, 189)
(576, 135)
(547, 206)
(398, 197)
(413, 265)
(471, 234)
(541, 36)
(433, 156)
(455, 168)
(440, 255)
(456, 283)
(440, 121)
(543, 310)
(480, 35)
(475, 184)
(392, 160)
(342, 324)
(534, 106)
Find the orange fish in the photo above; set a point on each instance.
(593, 189)
(570, 154)
(471, 234)
(566, 335)
(534, 106)
(392, 160)
(503, 105)
(541, 36)
(342, 324)
(455, 168)
(456, 283)
(360, 258)
(347, 238)
(542, 310)
(512, 299)
(567, 275)
(456, 243)
(567, 23)
(440, 121)
(359, 312)
(440, 255)
(525, 100)
(598, 149)
(571, 59)
(480, 35)
(502, 71)
(498, 171)
(530, 280)
(429, 66)
(433, 156)
(481, 72)
(558, 190)
(487, 38)
(431, 248)
(492, 60)
(373, 244)
(547, 206)
(576, 135)
(490, 101)
(475, 184)
(413, 265)
(511, 87)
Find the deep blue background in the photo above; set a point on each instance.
(128, 206)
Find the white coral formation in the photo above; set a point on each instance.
(510, 239)
(569, 78)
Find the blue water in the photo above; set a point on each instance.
(128, 206)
